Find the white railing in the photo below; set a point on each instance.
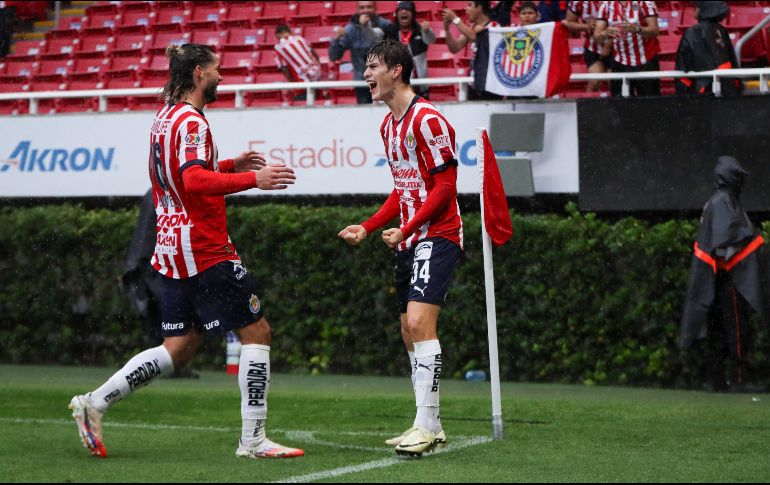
(462, 82)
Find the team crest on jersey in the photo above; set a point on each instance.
(410, 142)
(192, 139)
(254, 304)
(518, 58)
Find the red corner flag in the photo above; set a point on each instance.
(497, 219)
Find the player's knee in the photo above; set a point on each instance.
(257, 333)
(415, 325)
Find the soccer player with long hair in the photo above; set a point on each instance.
(420, 146)
(206, 288)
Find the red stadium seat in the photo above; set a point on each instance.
(59, 46)
(745, 18)
(151, 78)
(239, 13)
(129, 63)
(164, 39)
(144, 103)
(72, 23)
(275, 13)
(84, 81)
(669, 45)
(159, 63)
(754, 50)
(318, 37)
(686, 21)
(266, 64)
(90, 65)
(136, 18)
(447, 72)
(60, 67)
(224, 100)
(14, 84)
(343, 96)
(95, 43)
(125, 79)
(102, 20)
(244, 39)
(236, 75)
(131, 43)
(270, 77)
(263, 98)
(171, 13)
(440, 57)
(235, 59)
(576, 49)
(19, 68)
(213, 38)
(76, 105)
(312, 13)
(207, 13)
(27, 48)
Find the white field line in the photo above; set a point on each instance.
(383, 463)
(306, 436)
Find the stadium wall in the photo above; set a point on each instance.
(580, 300)
(334, 150)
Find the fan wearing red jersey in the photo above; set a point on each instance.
(420, 145)
(205, 287)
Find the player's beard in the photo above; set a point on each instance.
(210, 93)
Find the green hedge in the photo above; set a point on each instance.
(579, 299)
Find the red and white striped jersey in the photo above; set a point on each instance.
(418, 146)
(294, 53)
(586, 10)
(631, 49)
(191, 228)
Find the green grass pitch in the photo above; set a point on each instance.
(187, 431)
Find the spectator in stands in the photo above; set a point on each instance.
(550, 11)
(6, 30)
(296, 59)
(365, 28)
(417, 37)
(528, 14)
(704, 47)
(632, 27)
(477, 34)
(581, 18)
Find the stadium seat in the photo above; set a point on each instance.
(84, 81)
(266, 63)
(95, 42)
(342, 13)
(129, 63)
(124, 79)
(159, 63)
(25, 48)
(131, 44)
(14, 84)
(151, 78)
(312, 13)
(263, 99)
(214, 38)
(240, 12)
(19, 68)
(669, 45)
(55, 46)
(90, 65)
(745, 18)
(170, 15)
(343, 96)
(440, 57)
(318, 36)
(144, 103)
(236, 75)
(205, 14)
(61, 67)
(163, 39)
(102, 20)
(276, 13)
(270, 77)
(136, 18)
(248, 59)
(576, 49)
(244, 39)
(754, 51)
(76, 105)
(447, 72)
(224, 100)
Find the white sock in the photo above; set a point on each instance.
(254, 381)
(412, 365)
(427, 357)
(140, 371)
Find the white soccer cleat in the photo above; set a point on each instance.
(417, 442)
(267, 449)
(440, 438)
(89, 422)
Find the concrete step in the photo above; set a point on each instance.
(43, 25)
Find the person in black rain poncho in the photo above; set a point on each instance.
(704, 47)
(727, 279)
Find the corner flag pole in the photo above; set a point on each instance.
(489, 285)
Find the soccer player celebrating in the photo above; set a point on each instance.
(205, 286)
(420, 145)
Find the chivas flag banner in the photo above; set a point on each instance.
(528, 61)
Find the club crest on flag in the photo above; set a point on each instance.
(518, 58)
